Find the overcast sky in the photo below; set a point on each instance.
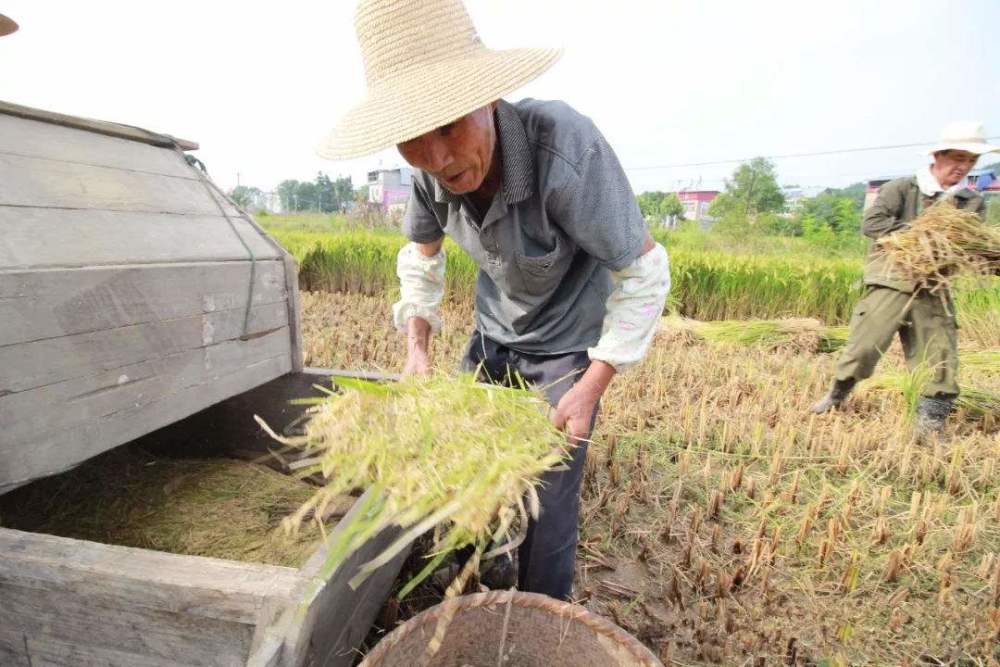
(668, 82)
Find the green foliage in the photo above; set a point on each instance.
(246, 197)
(841, 215)
(321, 195)
(752, 190)
(855, 192)
(657, 206)
(715, 277)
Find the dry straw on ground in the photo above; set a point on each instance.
(942, 243)
(222, 508)
(723, 524)
(438, 453)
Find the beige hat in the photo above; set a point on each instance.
(7, 25)
(425, 66)
(963, 136)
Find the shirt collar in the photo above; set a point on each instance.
(930, 187)
(516, 159)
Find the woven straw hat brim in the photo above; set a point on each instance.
(7, 25)
(416, 102)
(974, 147)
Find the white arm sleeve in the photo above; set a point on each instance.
(634, 309)
(421, 287)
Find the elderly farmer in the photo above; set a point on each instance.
(570, 285)
(925, 322)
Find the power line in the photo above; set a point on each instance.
(787, 156)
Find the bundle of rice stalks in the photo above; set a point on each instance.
(439, 452)
(803, 334)
(942, 243)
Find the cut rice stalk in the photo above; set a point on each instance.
(941, 244)
(977, 401)
(797, 333)
(436, 451)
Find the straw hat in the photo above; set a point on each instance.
(963, 136)
(425, 66)
(7, 25)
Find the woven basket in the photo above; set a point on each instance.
(511, 629)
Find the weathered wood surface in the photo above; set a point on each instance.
(100, 604)
(40, 139)
(125, 277)
(333, 618)
(70, 602)
(46, 304)
(41, 238)
(96, 126)
(42, 183)
(165, 391)
(79, 389)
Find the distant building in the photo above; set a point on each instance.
(390, 188)
(696, 204)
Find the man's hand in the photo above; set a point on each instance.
(576, 408)
(418, 335)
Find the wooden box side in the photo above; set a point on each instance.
(76, 602)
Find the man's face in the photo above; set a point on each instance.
(952, 166)
(458, 155)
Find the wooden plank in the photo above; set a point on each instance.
(26, 366)
(36, 238)
(36, 138)
(60, 302)
(173, 397)
(209, 588)
(67, 403)
(16, 650)
(331, 619)
(28, 181)
(107, 622)
(294, 311)
(98, 126)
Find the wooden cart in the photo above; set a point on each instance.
(136, 301)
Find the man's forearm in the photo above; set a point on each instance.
(597, 378)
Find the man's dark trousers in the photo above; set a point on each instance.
(547, 558)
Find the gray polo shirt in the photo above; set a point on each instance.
(563, 217)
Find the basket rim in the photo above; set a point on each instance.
(573, 612)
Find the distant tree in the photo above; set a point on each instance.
(361, 195)
(308, 197)
(752, 190)
(658, 206)
(840, 214)
(323, 194)
(245, 196)
(287, 194)
(343, 190)
(855, 192)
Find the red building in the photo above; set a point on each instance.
(696, 203)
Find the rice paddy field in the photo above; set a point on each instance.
(722, 523)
